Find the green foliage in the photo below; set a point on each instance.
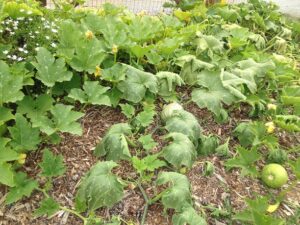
(88, 55)
(48, 206)
(178, 194)
(213, 94)
(188, 216)
(180, 152)
(24, 137)
(147, 164)
(51, 70)
(256, 213)
(185, 123)
(168, 82)
(99, 188)
(23, 187)
(114, 144)
(147, 142)
(208, 145)
(10, 89)
(7, 174)
(245, 160)
(136, 84)
(128, 110)
(92, 93)
(52, 165)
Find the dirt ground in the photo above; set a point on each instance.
(224, 189)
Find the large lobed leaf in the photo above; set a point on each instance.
(51, 70)
(181, 151)
(114, 144)
(178, 194)
(99, 188)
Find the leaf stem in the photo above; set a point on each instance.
(147, 202)
(84, 219)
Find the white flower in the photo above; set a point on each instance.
(22, 10)
(25, 51)
(54, 30)
(20, 18)
(5, 52)
(30, 19)
(1, 31)
(14, 57)
(37, 44)
(29, 12)
(37, 32)
(47, 37)
(8, 56)
(12, 33)
(37, 48)
(47, 26)
(32, 36)
(20, 59)
(43, 19)
(53, 45)
(21, 49)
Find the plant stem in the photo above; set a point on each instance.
(84, 219)
(44, 192)
(146, 201)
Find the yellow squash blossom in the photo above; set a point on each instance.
(89, 35)
(270, 127)
(22, 158)
(272, 107)
(114, 49)
(273, 208)
(97, 72)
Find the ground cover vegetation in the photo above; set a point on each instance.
(210, 87)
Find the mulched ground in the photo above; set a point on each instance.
(224, 190)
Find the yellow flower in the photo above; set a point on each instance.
(142, 13)
(270, 127)
(223, 2)
(89, 35)
(97, 72)
(272, 107)
(273, 208)
(22, 158)
(114, 49)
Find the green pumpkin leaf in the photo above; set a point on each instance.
(34, 108)
(52, 165)
(51, 70)
(99, 188)
(136, 84)
(167, 83)
(48, 206)
(213, 94)
(178, 194)
(245, 160)
(128, 110)
(65, 119)
(92, 93)
(10, 88)
(191, 66)
(6, 153)
(296, 167)
(5, 115)
(114, 144)
(181, 151)
(88, 55)
(185, 123)
(7, 174)
(147, 142)
(24, 137)
(24, 187)
(208, 145)
(188, 216)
